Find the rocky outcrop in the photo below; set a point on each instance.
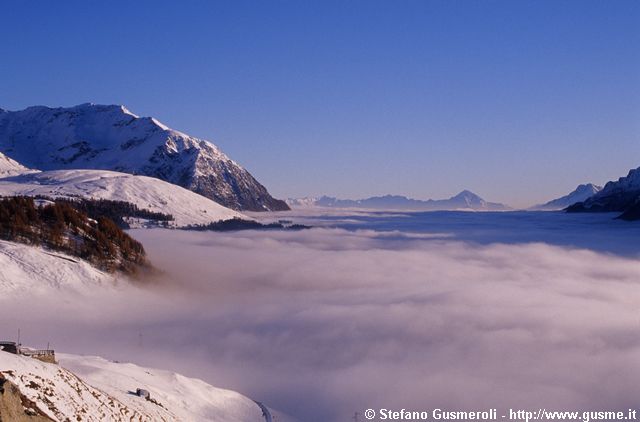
(16, 407)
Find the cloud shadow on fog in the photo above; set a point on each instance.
(598, 231)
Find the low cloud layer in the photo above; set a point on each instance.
(326, 322)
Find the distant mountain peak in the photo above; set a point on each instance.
(579, 194)
(588, 187)
(111, 137)
(622, 195)
(467, 195)
(465, 200)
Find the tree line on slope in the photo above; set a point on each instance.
(61, 226)
(116, 211)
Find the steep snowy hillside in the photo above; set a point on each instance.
(32, 270)
(93, 389)
(465, 200)
(581, 193)
(622, 195)
(145, 192)
(9, 167)
(112, 138)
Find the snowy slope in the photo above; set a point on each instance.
(145, 192)
(32, 270)
(9, 167)
(94, 389)
(465, 200)
(111, 137)
(581, 193)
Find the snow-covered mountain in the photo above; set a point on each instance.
(110, 137)
(9, 167)
(145, 192)
(581, 193)
(465, 200)
(93, 389)
(622, 196)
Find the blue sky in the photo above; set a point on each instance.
(518, 101)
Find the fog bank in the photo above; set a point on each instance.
(326, 322)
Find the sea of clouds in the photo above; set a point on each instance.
(325, 322)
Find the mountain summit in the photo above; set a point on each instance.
(110, 137)
(468, 199)
(581, 193)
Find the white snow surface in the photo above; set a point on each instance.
(9, 167)
(146, 192)
(95, 389)
(33, 270)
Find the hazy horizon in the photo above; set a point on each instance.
(524, 204)
(517, 101)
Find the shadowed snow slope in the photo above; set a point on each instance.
(34, 270)
(145, 192)
(94, 389)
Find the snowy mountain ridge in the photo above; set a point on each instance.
(622, 195)
(465, 200)
(110, 137)
(626, 184)
(581, 193)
